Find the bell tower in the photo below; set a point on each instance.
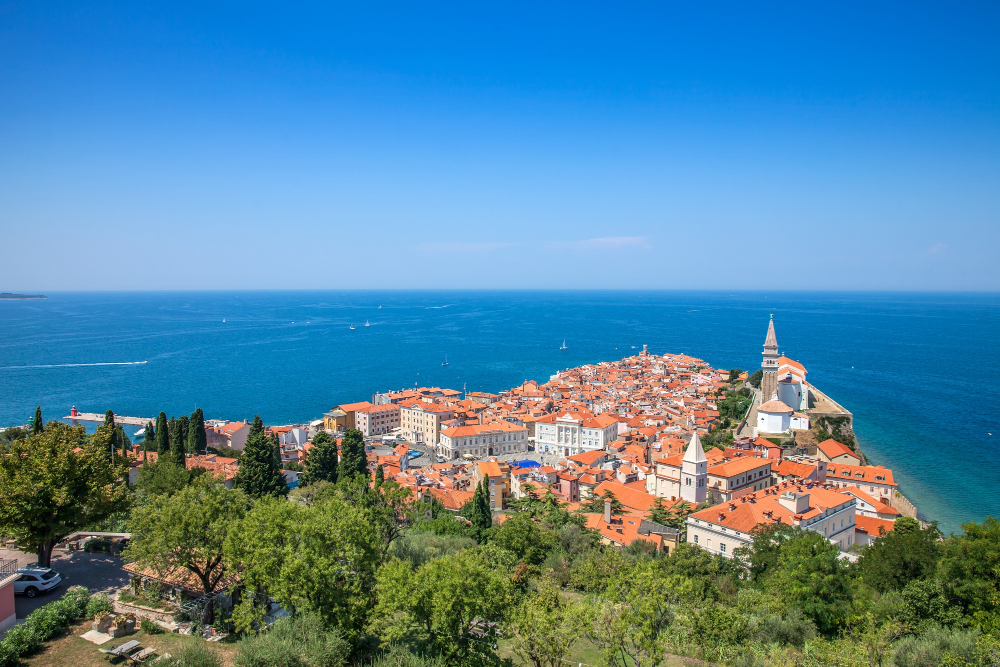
(694, 472)
(769, 383)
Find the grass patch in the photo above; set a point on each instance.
(71, 651)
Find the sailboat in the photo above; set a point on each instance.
(563, 346)
(223, 320)
(366, 323)
(445, 362)
(352, 327)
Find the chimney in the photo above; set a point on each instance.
(607, 511)
(797, 503)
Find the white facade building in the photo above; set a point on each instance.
(774, 417)
(569, 435)
(725, 527)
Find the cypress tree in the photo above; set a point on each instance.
(379, 475)
(148, 438)
(162, 435)
(177, 444)
(109, 420)
(321, 462)
(197, 442)
(184, 423)
(260, 473)
(37, 424)
(480, 514)
(352, 455)
(123, 440)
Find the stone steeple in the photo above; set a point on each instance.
(769, 383)
(694, 472)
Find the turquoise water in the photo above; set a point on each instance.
(919, 371)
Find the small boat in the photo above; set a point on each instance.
(563, 346)
(352, 327)
(445, 362)
(380, 307)
(366, 323)
(223, 320)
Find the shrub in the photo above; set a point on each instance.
(418, 547)
(931, 647)
(43, 624)
(150, 627)
(195, 654)
(397, 656)
(294, 642)
(99, 603)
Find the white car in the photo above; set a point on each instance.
(35, 580)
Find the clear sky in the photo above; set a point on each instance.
(790, 145)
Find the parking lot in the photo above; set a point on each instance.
(98, 572)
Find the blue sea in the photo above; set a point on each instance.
(920, 372)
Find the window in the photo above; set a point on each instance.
(696, 539)
(722, 547)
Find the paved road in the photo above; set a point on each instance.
(98, 572)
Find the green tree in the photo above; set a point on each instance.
(379, 475)
(970, 571)
(899, 557)
(115, 440)
(352, 455)
(389, 506)
(260, 474)
(523, 537)
(162, 435)
(321, 461)
(184, 425)
(545, 626)
(633, 616)
(177, 444)
(37, 425)
(159, 478)
(478, 510)
(451, 606)
(48, 490)
(809, 574)
(148, 438)
(187, 530)
(318, 558)
(755, 379)
(659, 512)
(597, 502)
(197, 442)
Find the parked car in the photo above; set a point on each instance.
(35, 580)
(414, 454)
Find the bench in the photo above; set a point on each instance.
(142, 655)
(120, 651)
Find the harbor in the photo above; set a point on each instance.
(97, 417)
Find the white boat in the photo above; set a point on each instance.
(352, 327)
(223, 320)
(445, 362)
(366, 323)
(563, 346)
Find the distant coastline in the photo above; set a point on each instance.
(12, 296)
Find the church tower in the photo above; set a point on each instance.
(769, 383)
(694, 472)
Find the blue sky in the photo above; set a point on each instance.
(537, 145)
